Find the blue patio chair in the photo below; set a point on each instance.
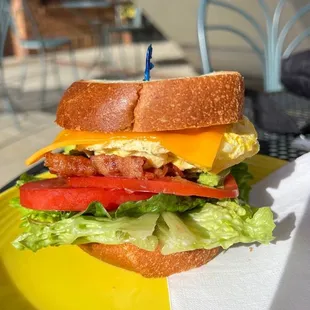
(4, 94)
(272, 38)
(278, 115)
(42, 45)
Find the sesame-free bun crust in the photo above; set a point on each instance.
(149, 264)
(172, 104)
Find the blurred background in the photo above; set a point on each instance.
(45, 45)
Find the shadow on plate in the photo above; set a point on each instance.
(284, 228)
(293, 288)
(10, 296)
(260, 196)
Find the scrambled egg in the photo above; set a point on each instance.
(156, 155)
(238, 143)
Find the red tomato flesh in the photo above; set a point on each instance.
(55, 194)
(167, 185)
(76, 193)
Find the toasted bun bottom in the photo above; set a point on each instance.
(149, 264)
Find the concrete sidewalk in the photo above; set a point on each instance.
(37, 126)
(116, 62)
(37, 131)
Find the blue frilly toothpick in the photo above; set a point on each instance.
(148, 65)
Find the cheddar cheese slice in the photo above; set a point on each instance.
(196, 146)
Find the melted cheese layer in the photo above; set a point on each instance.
(238, 142)
(196, 146)
(208, 149)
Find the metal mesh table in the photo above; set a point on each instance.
(278, 146)
(275, 144)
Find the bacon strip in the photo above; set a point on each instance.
(108, 165)
(68, 165)
(154, 173)
(175, 171)
(112, 165)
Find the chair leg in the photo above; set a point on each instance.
(142, 53)
(23, 76)
(7, 98)
(43, 61)
(8, 103)
(97, 56)
(73, 63)
(137, 54)
(56, 71)
(106, 46)
(123, 58)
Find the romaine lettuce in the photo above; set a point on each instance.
(86, 229)
(242, 176)
(209, 179)
(158, 204)
(25, 178)
(197, 224)
(212, 179)
(223, 223)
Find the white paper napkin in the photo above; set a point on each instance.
(276, 276)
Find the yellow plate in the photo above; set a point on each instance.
(67, 278)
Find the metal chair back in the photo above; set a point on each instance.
(4, 24)
(21, 11)
(5, 19)
(272, 38)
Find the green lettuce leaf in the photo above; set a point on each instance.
(15, 203)
(208, 225)
(86, 229)
(30, 216)
(209, 179)
(242, 176)
(96, 209)
(67, 149)
(212, 179)
(158, 204)
(223, 223)
(25, 178)
(176, 223)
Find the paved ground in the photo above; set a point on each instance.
(37, 127)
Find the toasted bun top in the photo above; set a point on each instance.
(172, 104)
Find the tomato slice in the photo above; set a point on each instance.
(167, 185)
(55, 194)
